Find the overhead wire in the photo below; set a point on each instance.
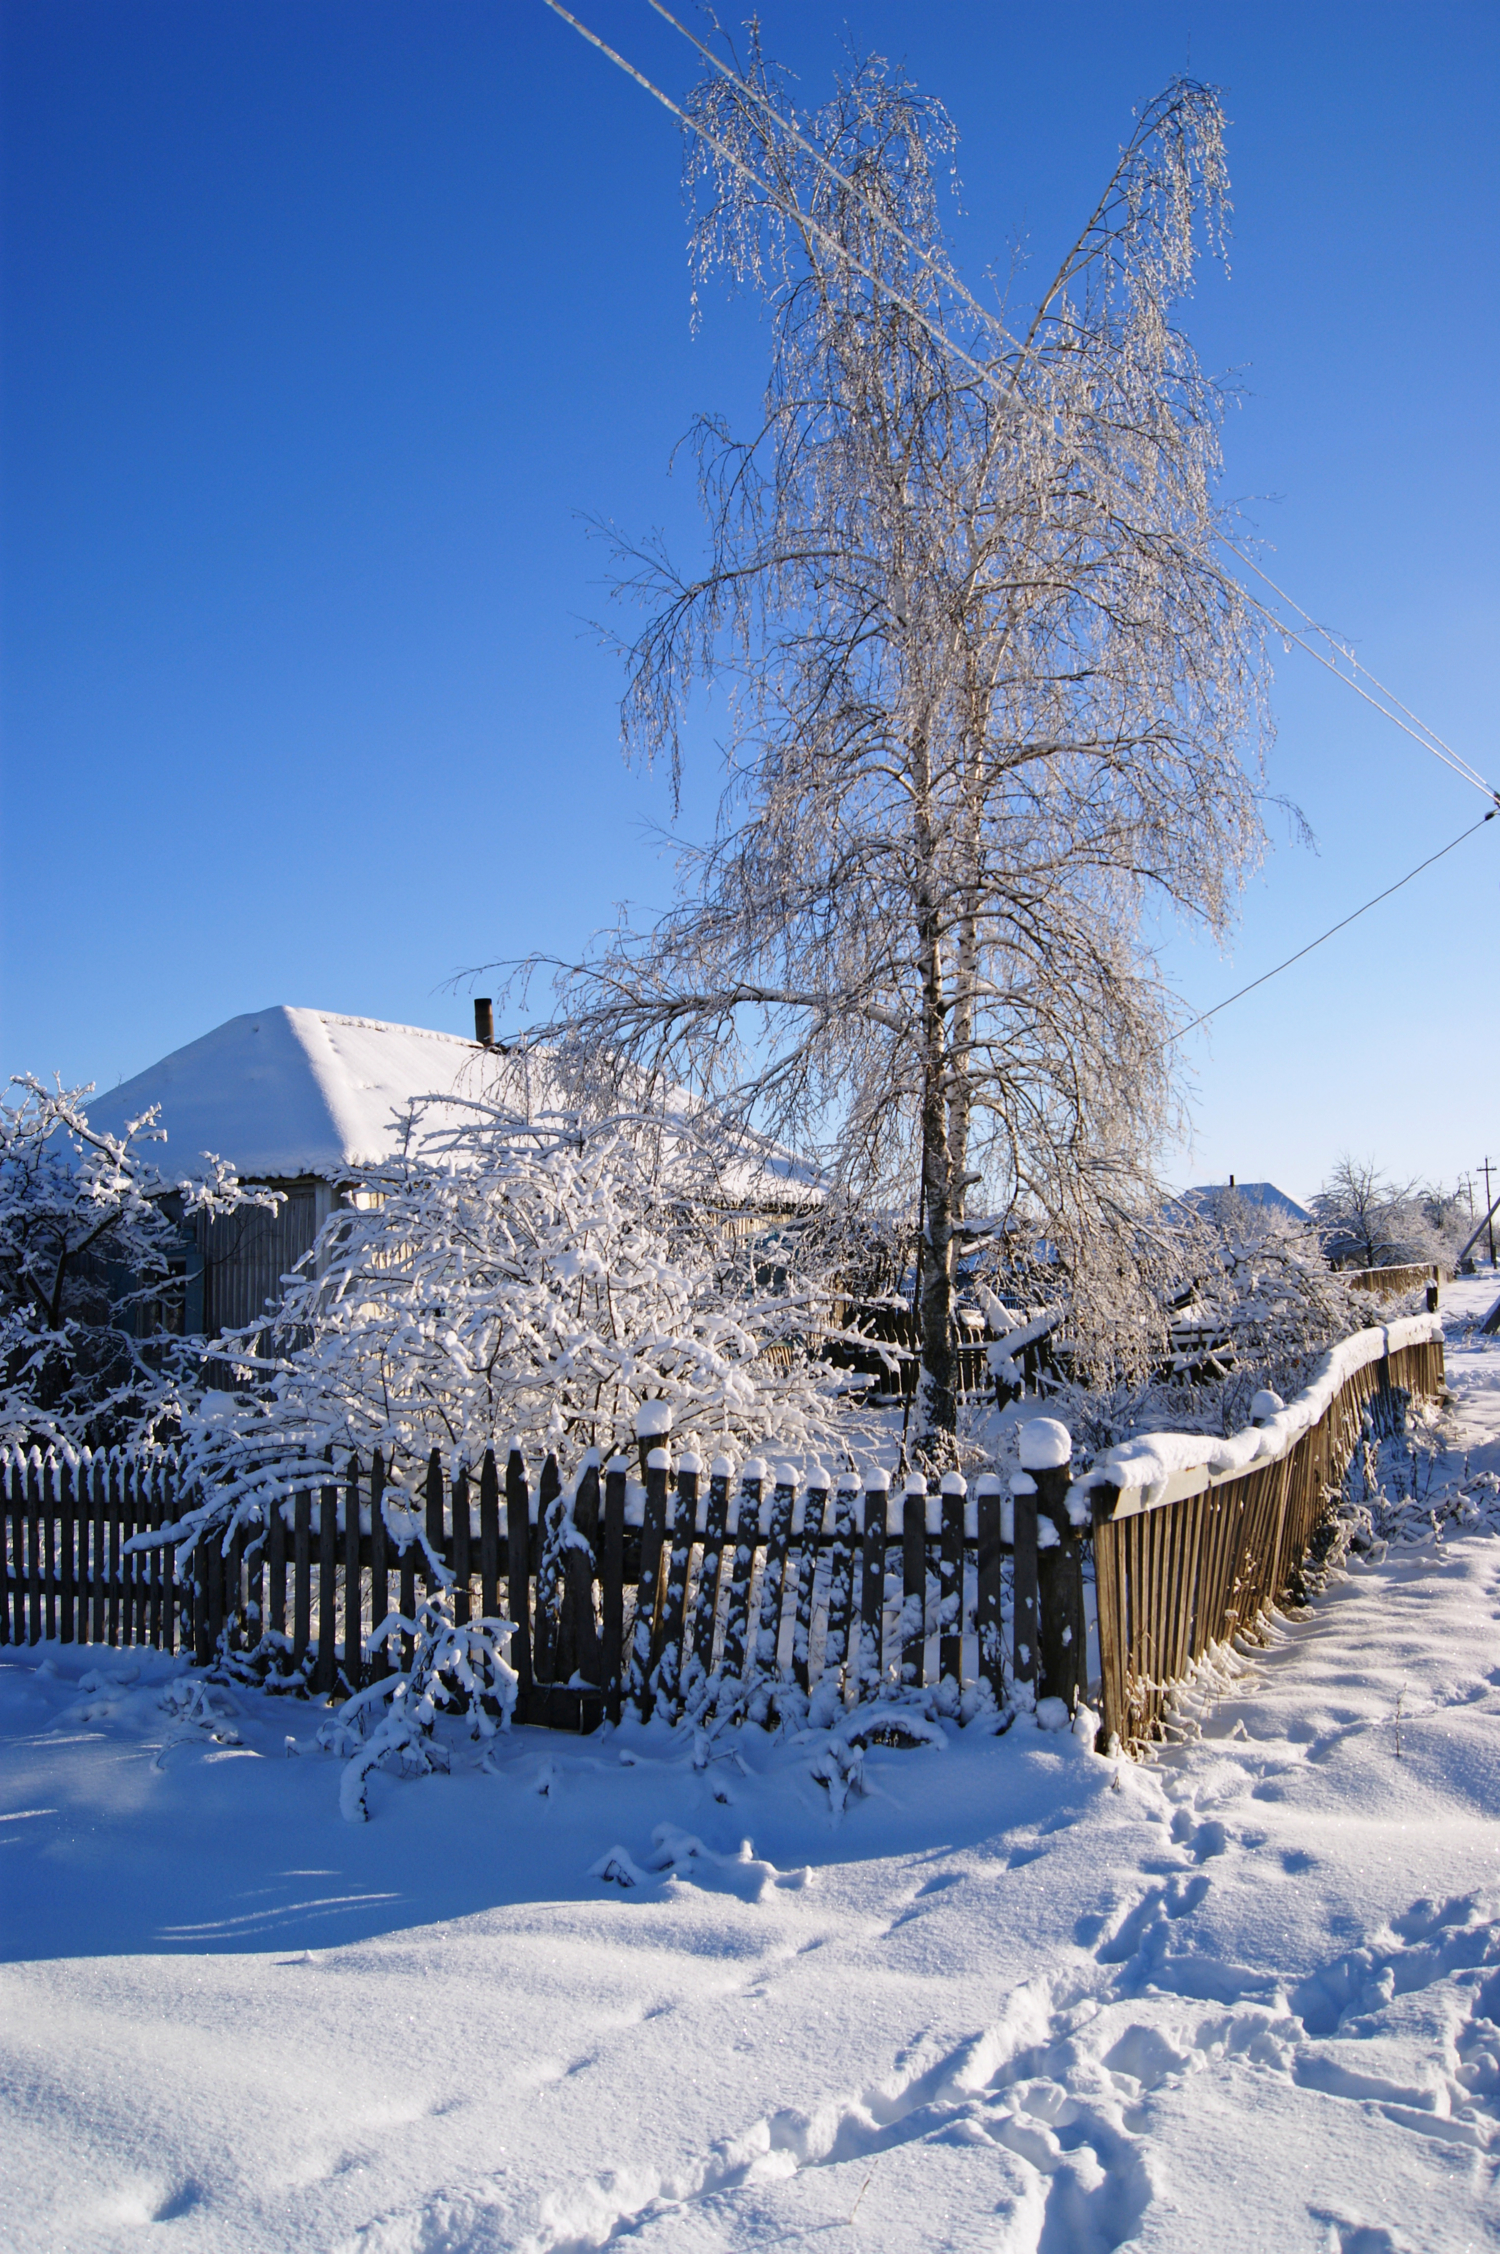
(942, 270)
(1410, 725)
(1342, 925)
(791, 210)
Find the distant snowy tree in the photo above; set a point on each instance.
(90, 1227)
(541, 1278)
(1369, 1221)
(987, 691)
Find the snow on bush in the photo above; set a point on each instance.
(454, 1667)
(544, 1279)
(90, 1227)
(1257, 1310)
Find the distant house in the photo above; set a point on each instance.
(1207, 1195)
(300, 1100)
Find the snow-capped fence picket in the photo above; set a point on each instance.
(1195, 1538)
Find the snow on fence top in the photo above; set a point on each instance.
(1045, 1443)
(1145, 1464)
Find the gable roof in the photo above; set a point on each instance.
(285, 1092)
(1253, 1193)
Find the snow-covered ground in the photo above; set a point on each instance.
(1010, 1995)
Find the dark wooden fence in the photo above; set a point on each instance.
(1201, 1558)
(728, 1594)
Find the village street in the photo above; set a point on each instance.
(1011, 1995)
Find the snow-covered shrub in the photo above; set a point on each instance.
(393, 1720)
(90, 1229)
(540, 1279)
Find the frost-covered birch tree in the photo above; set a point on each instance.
(990, 699)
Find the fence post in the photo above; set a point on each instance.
(328, 1568)
(742, 1569)
(65, 1530)
(1047, 1452)
(814, 1509)
(870, 1674)
(951, 1582)
(1023, 1663)
(837, 1656)
(1110, 1596)
(612, 1583)
(700, 1652)
(988, 1633)
(578, 1637)
(354, 1628)
(518, 1559)
(547, 1564)
(380, 1574)
(489, 1537)
(459, 1559)
(913, 1578)
(202, 1645)
(653, 1422)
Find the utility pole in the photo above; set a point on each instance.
(1489, 1201)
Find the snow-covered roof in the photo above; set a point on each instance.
(1254, 1193)
(285, 1092)
(282, 1093)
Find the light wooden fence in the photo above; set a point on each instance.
(1390, 1283)
(1197, 1559)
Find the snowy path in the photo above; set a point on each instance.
(1016, 1997)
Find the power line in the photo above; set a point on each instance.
(1417, 729)
(790, 210)
(1341, 926)
(937, 265)
(942, 269)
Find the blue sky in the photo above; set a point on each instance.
(328, 321)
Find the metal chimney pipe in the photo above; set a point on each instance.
(484, 1021)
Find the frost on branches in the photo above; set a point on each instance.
(993, 703)
(539, 1279)
(89, 1229)
(1254, 1307)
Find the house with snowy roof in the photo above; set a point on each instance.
(1265, 1194)
(302, 1101)
(305, 1102)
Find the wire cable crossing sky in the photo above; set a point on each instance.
(329, 331)
(1410, 724)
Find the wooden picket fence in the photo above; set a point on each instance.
(1202, 1558)
(1390, 1283)
(733, 1599)
(739, 1595)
